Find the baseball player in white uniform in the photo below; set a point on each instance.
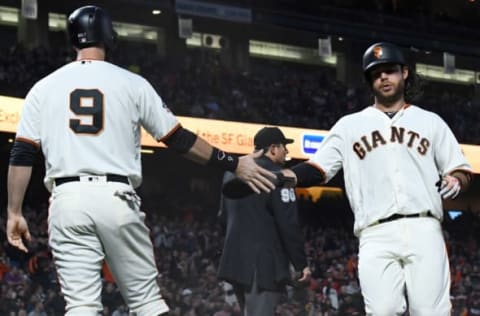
(392, 154)
(86, 117)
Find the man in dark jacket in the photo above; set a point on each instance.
(263, 236)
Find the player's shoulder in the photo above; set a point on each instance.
(417, 109)
(121, 72)
(47, 83)
(367, 111)
(124, 77)
(136, 80)
(425, 114)
(355, 117)
(101, 67)
(51, 77)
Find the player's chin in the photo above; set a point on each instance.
(384, 92)
(387, 97)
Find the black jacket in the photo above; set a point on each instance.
(262, 235)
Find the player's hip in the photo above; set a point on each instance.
(81, 202)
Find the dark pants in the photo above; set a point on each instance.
(255, 302)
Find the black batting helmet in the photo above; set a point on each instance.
(90, 26)
(382, 53)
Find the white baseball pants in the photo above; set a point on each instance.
(405, 256)
(88, 222)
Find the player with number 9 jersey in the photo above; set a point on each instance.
(87, 118)
(97, 119)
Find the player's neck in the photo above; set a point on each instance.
(91, 53)
(391, 108)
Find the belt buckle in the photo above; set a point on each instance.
(93, 178)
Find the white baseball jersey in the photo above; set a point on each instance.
(390, 165)
(86, 116)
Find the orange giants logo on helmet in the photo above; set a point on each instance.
(377, 52)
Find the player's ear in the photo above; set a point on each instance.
(272, 150)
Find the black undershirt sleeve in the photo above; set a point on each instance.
(23, 154)
(181, 140)
(308, 175)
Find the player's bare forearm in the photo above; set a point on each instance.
(200, 152)
(17, 183)
(17, 227)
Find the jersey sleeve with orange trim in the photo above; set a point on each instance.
(155, 116)
(28, 129)
(330, 154)
(447, 151)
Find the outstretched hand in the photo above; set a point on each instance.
(17, 230)
(257, 178)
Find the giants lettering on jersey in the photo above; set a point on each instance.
(397, 135)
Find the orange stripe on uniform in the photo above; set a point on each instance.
(28, 141)
(173, 130)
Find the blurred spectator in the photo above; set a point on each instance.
(272, 93)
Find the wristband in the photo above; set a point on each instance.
(223, 160)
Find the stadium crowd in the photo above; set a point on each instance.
(187, 249)
(276, 93)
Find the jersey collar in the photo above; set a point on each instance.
(405, 106)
